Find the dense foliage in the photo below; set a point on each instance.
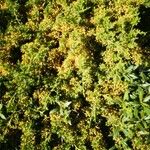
(75, 74)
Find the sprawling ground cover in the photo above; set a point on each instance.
(75, 74)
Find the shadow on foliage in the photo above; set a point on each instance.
(22, 11)
(5, 17)
(108, 140)
(15, 52)
(2, 88)
(13, 140)
(96, 49)
(38, 125)
(144, 25)
(55, 140)
(77, 116)
(15, 55)
(88, 145)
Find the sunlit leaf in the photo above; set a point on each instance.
(2, 116)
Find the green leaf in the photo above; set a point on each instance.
(143, 133)
(145, 85)
(136, 112)
(2, 116)
(54, 111)
(1, 106)
(141, 93)
(146, 99)
(133, 76)
(66, 104)
(143, 76)
(116, 132)
(126, 95)
(147, 118)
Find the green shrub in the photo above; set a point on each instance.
(74, 74)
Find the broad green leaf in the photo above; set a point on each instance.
(2, 116)
(126, 95)
(146, 99)
(133, 76)
(136, 112)
(143, 133)
(147, 118)
(141, 94)
(66, 104)
(145, 85)
(116, 132)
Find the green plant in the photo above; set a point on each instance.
(74, 74)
